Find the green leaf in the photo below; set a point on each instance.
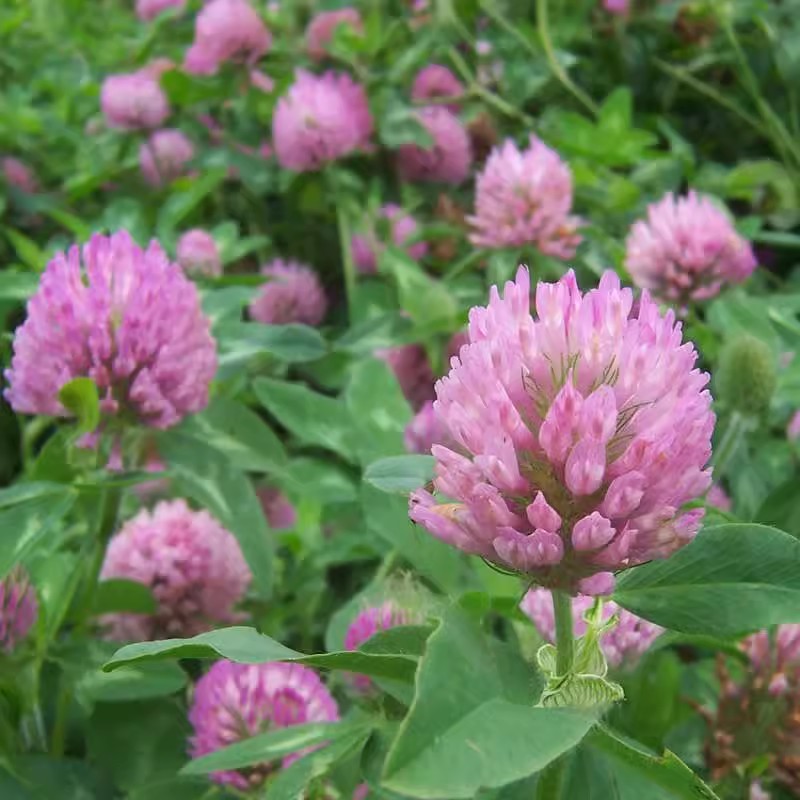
(26, 525)
(322, 481)
(463, 732)
(223, 306)
(40, 777)
(32, 490)
(387, 517)
(430, 303)
(247, 646)
(27, 250)
(239, 433)
(17, 285)
(731, 579)
(241, 341)
(290, 783)
(268, 746)
(378, 410)
(119, 595)
(313, 418)
(401, 474)
(667, 770)
(212, 480)
(137, 742)
(583, 691)
(138, 682)
(183, 201)
(171, 789)
(80, 397)
(400, 125)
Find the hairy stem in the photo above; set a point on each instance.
(562, 607)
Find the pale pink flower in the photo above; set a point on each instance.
(193, 566)
(292, 293)
(718, 497)
(125, 317)
(447, 160)
(233, 702)
(164, 156)
(133, 101)
(758, 793)
(150, 9)
(320, 119)
(413, 371)
(369, 622)
(525, 197)
(456, 342)
(582, 434)
(687, 249)
(367, 247)
(278, 509)
(198, 253)
(623, 645)
(323, 25)
(793, 428)
(619, 7)
(776, 652)
(19, 175)
(18, 609)
(226, 30)
(436, 81)
(157, 67)
(425, 430)
(261, 81)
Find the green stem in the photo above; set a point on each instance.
(551, 780)
(552, 60)
(63, 703)
(490, 98)
(107, 521)
(684, 76)
(562, 606)
(347, 257)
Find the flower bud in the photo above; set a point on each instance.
(746, 375)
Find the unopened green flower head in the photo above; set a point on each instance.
(746, 375)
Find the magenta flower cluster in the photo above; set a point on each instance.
(434, 82)
(278, 509)
(147, 10)
(18, 609)
(687, 250)
(413, 371)
(623, 645)
(367, 248)
(425, 430)
(133, 101)
(226, 30)
(774, 651)
(292, 293)
(369, 622)
(164, 156)
(525, 197)
(320, 119)
(19, 175)
(193, 566)
(447, 159)
(125, 317)
(581, 435)
(198, 253)
(236, 701)
(323, 26)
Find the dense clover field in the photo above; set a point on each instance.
(400, 400)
